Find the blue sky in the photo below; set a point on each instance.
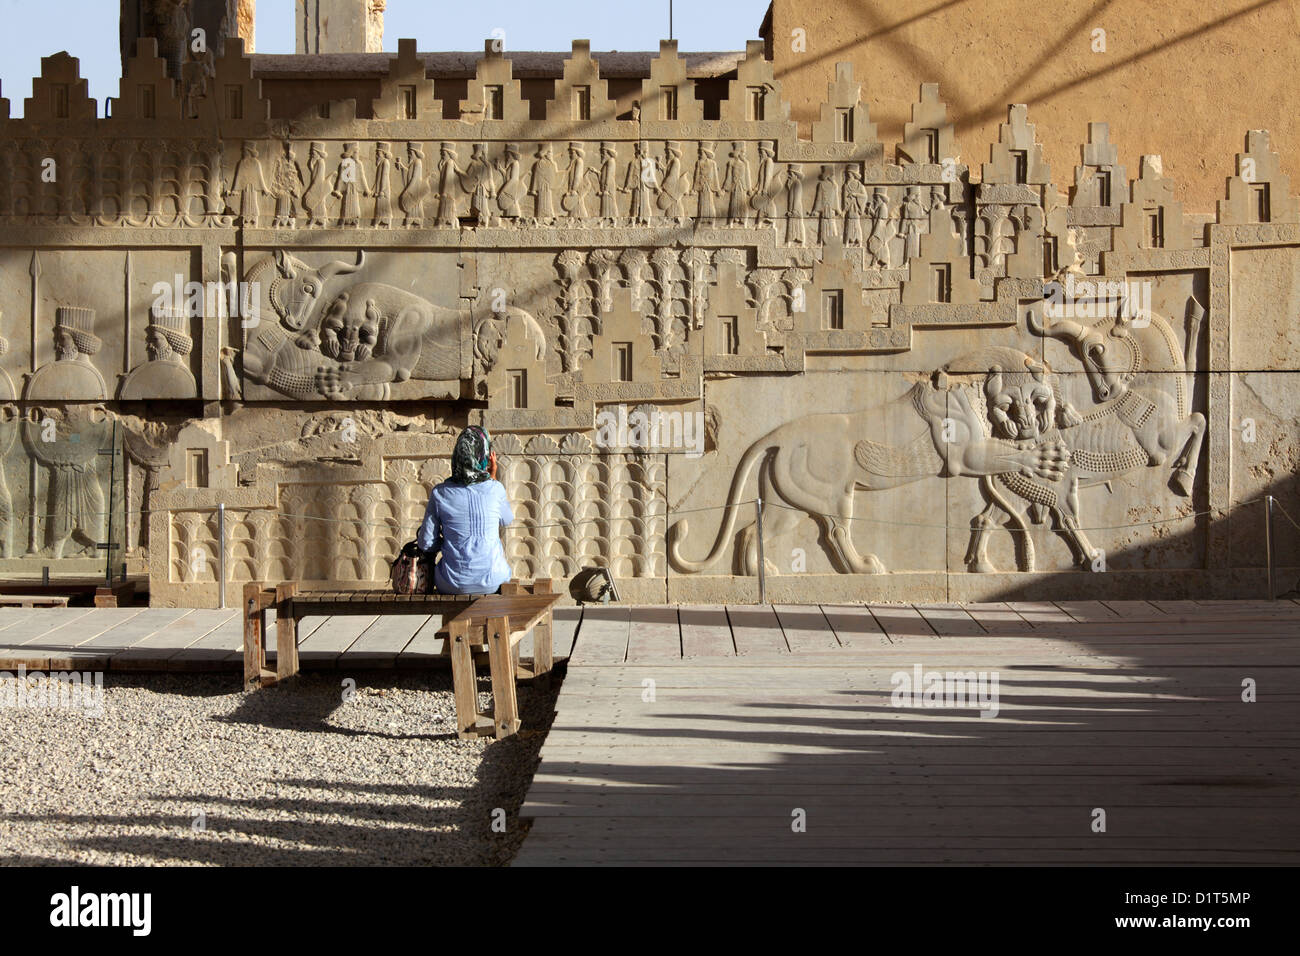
(88, 30)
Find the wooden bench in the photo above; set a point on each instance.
(512, 613)
(500, 621)
(33, 600)
(116, 594)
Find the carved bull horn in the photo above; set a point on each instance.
(340, 268)
(1063, 329)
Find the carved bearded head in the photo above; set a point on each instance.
(348, 333)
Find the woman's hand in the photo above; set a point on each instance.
(492, 465)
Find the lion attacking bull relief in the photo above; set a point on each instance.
(1007, 427)
(367, 341)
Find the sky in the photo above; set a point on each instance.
(87, 29)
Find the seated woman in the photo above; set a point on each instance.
(463, 519)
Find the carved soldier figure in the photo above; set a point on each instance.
(76, 509)
(71, 376)
(794, 211)
(286, 185)
(542, 185)
(194, 79)
(634, 182)
(855, 206)
(383, 191)
(705, 184)
(313, 197)
(511, 191)
(881, 231)
(826, 205)
(349, 186)
(607, 185)
(415, 189)
(249, 186)
(449, 177)
(764, 200)
(672, 185)
(164, 375)
(477, 181)
(735, 183)
(911, 216)
(575, 181)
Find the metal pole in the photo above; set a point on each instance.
(221, 554)
(1268, 541)
(762, 570)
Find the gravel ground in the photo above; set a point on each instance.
(180, 770)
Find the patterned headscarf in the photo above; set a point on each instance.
(469, 462)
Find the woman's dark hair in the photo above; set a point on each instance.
(469, 461)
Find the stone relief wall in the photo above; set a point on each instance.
(943, 382)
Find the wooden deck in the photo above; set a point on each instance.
(699, 735)
(180, 639)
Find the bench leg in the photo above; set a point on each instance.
(506, 709)
(254, 637)
(286, 632)
(462, 677)
(543, 653)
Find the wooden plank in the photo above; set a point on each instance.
(381, 643)
(9, 616)
(505, 709)
(254, 635)
(286, 631)
(139, 625)
(606, 629)
(654, 633)
(998, 618)
(706, 632)
(57, 621)
(427, 647)
(325, 644)
(34, 600)
(1088, 611)
(165, 643)
(729, 745)
(756, 629)
(1135, 610)
(806, 628)
(1040, 613)
(855, 626)
(902, 623)
(463, 679)
(950, 620)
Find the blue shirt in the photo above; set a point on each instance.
(463, 521)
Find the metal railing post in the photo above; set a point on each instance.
(221, 554)
(1268, 541)
(762, 569)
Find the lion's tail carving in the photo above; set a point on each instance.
(679, 530)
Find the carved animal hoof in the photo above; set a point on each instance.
(1182, 481)
(982, 566)
(873, 564)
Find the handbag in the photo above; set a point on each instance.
(412, 571)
